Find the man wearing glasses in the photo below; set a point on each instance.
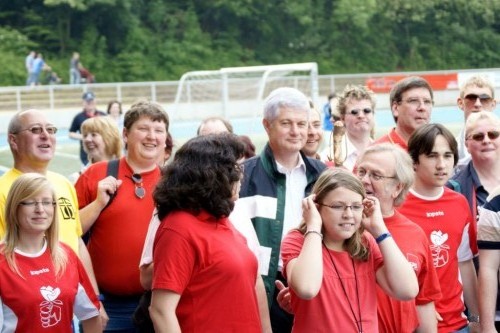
(32, 141)
(356, 107)
(411, 104)
(476, 94)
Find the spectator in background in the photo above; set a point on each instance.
(115, 112)
(54, 78)
(330, 111)
(39, 65)
(89, 111)
(476, 94)
(101, 140)
(43, 281)
(28, 63)
(249, 146)
(411, 101)
(214, 125)
(356, 107)
(74, 69)
(314, 134)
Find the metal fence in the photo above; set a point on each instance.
(57, 97)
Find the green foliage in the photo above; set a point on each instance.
(141, 40)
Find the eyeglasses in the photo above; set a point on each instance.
(341, 207)
(492, 135)
(39, 129)
(355, 112)
(472, 98)
(416, 102)
(139, 191)
(32, 204)
(372, 175)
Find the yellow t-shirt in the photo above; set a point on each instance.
(70, 228)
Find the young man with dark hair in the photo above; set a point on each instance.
(445, 217)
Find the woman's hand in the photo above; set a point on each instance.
(310, 213)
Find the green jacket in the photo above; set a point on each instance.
(267, 186)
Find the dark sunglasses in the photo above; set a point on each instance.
(492, 135)
(139, 191)
(472, 98)
(355, 112)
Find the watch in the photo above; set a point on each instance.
(473, 318)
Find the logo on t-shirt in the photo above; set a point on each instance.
(439, 249)
(50, 309)
(66, 208)
(435, 214)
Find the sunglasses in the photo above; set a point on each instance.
(472, 98)
(139, 191)
(492, 135)
(355, 112)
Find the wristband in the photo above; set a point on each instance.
(380, 238)
(308, 232)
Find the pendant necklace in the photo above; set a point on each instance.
(359, 323)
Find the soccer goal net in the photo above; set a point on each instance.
(238, 92)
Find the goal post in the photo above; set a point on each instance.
(239, 92)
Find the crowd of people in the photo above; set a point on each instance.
(393, 234)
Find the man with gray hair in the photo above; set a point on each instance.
(276, 181)
(386, 172)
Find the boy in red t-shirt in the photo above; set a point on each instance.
(445, 217)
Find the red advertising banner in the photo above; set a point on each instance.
(384, 84)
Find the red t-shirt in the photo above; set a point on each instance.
(118, 234)
(208, 263)
(329, 311)
(448, 224)
(393, 137)
(401, 316)
(39, 302)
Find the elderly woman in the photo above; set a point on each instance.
(205, 276)
(481, 175)
(42, 281)
(356, 107)
(118, 208)
(476, 180)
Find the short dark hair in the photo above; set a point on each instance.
(423, 139)
(201, 176)
(403, 85)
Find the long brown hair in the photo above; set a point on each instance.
(330, 180)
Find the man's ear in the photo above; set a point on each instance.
(12, 140)
(267, 125)
(460, 103)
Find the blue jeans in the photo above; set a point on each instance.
(120, 311)
(463, 330)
